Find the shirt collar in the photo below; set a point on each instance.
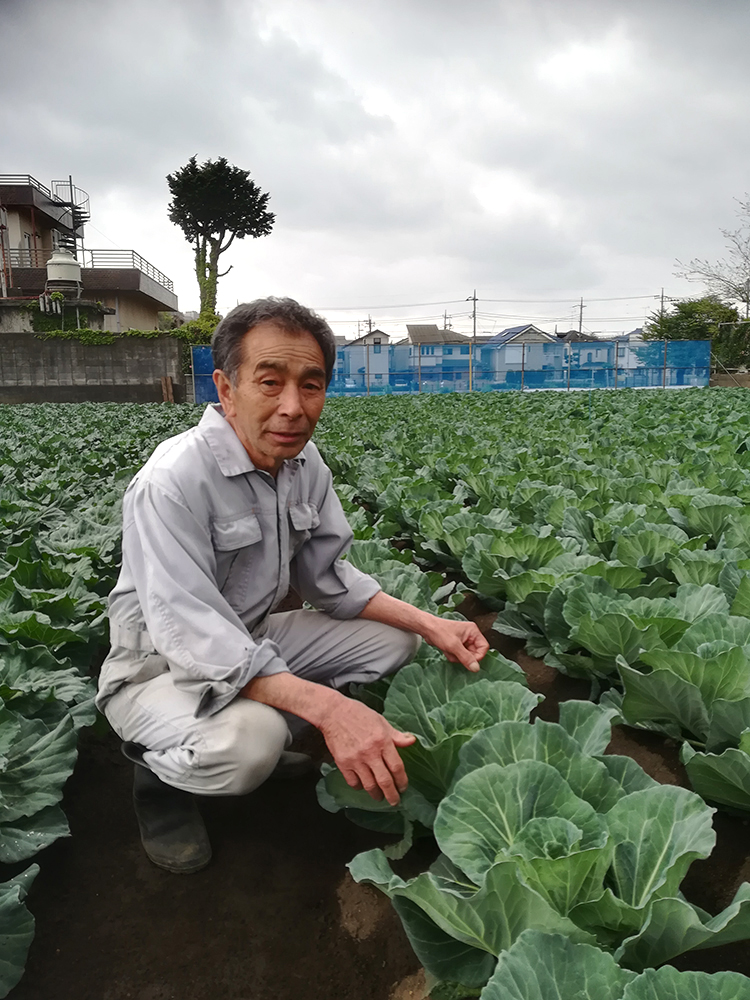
(226, 447)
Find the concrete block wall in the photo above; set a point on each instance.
(66, 371)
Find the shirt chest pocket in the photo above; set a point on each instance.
(303, 518)
(235, 541)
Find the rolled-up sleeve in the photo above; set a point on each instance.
(319, 574)
(173, 566)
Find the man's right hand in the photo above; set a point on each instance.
(363, 744)
(364, 747)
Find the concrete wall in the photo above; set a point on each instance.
(132, 312)
(14, 318)
(66, 371)
(733, 381)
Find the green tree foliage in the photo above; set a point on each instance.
(727, 279)
(214, 203)
(707, 318)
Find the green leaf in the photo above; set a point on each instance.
(697, 567)
(588, 724)
(416, 690)
(728, 720)
(22, 838)
(482, 704)
(16, 928)
(661, 700)
(694, 603)
(37, 628)
(509, 742)
(669, 984)
(726, 675)
(658, 833)
(741, 602)
(35, 673)
(721, 778)
(732, 629)
(613, 635)
(674, 927)
(39, 763)
(527, 811)
(489, 918)
(542, 966)
(711, 520)
(443, 955)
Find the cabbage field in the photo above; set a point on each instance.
(606, 533)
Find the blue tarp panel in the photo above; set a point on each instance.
(203, 366)
(598, 364)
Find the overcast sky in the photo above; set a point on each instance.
(414, 150)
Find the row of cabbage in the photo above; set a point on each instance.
(452, 479)
(62, 473)
(617, 546)
(540, 833)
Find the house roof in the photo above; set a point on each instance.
(515, 331)
(573, 336)
(385, 339)
(428, 333)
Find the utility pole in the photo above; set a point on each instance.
(661, 309)
(473, 299)
(580, 316)
(369, 324)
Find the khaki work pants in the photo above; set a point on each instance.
(237, 748)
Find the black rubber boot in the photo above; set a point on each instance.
(172, 830)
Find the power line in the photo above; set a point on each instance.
(618, 298)
(408, 305)
(448, 302)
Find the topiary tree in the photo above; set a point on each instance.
(214, 203)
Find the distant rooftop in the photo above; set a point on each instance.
(515, 331)
(429, 333)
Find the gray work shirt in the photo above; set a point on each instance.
(210, 547)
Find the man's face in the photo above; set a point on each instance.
(279, 395)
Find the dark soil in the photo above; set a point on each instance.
(275, 916)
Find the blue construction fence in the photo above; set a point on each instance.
(375, 369)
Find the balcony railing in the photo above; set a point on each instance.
(24, 180)
(97, 259)
(29, 257)
(126, 258)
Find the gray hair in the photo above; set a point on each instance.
(288, 315)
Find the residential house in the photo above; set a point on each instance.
(509, 357)
(437, 356)
(365, 362)
(36, 220)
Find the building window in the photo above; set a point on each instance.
(447, 350)
(620, 352)
(376, 348)
(589, 357)
(464, 350)
(378, 377)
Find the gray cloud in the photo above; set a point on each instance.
(412, 148)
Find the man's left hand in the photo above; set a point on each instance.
(462, 642)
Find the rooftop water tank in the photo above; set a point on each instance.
(63, 271)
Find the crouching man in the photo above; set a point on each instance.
(204, 683)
